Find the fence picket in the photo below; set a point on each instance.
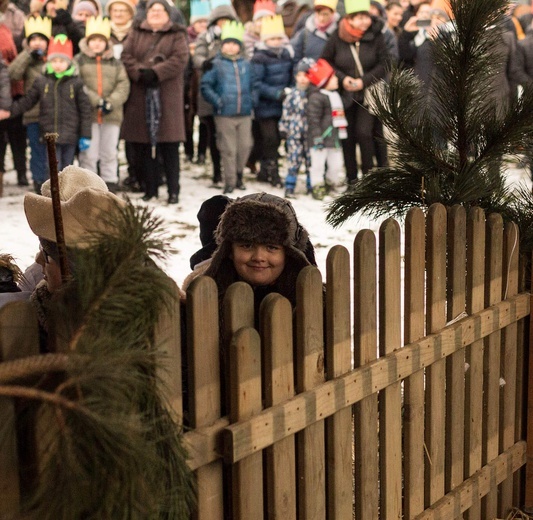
(338, 362)
(310, 443)
(278, 386)
(474, 352)
(365, 349)
(390, 399)
(436, 373)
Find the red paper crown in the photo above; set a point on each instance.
(60, 46)
(264, 5)
(320, 72)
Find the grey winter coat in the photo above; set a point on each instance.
(26, 68)
(319, 113)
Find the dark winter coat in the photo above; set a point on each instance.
(310, 41)
(272, 73)
(319, 112)
(228, 86)
(111, 83)
(65, 108)
(5, 88)
(166, 53)
(372, 54)
(524, 59)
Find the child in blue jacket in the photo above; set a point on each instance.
(227, 85)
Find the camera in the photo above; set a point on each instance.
(423, 23)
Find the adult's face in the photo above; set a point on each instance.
(50, 9)
(120, 14)
(157, 16)
(360, 21)
(51, 271)
(258, 264)
(394, 16)
(324, 15)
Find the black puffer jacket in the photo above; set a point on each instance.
(65, 108)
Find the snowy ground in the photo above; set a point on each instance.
(181, 222)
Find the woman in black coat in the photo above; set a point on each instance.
(360, 35)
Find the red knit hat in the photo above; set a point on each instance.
(60, 47)
(320, 72)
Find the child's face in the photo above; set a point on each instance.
(258, 264)
(97, 44)
(302, 81)
(332, 84)
(37, 43)
(59, 64)
(274, 42)
(231, 48)
(200, 26)
(221, 22)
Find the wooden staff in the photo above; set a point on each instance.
(56, 204)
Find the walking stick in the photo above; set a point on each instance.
(56, 205)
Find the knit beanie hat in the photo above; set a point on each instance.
(60, 47)
(164, 3)
(304, 65)
(263, 8)
(128, 3)
(85, 5)
(222, 11)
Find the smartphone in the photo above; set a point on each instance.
(423, 23)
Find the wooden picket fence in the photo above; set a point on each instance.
(390, 396)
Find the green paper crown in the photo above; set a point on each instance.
(355, 6)
(232, 30)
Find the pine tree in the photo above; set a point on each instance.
(449, 145)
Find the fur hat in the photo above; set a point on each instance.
(84, 213)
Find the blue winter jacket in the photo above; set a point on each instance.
(272, 72)
(228, 86)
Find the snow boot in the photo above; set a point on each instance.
(240, 185)
(275, 179)
(264, 174)
(21, 179)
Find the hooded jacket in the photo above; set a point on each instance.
(310, 41)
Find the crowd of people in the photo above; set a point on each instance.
(95, 73)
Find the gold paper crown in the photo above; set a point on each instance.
(233, 30)
(96, 25)
(38, 25)
(272, 27)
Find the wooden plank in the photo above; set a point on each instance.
(455, 364)
(245, 398)
(277, 422)
(509, 361)
(528, 501)
(204, 383)
(278, 384)
(390, 399)
(203, 444)
(310, 443)
(474, 353)
(365, 351)
(491, 374)
(435, 411)
(338, 362)
(414, 327)
(479, 484)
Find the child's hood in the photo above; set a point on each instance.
(84, 49)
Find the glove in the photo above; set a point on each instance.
(84, 143)
(207, 65)
(148, 78)
(105, 106)
(37, 54)
(282, 95)
(318, 143)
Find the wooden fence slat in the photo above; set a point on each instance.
(528, 500)
(365, 351)
(455, 364)
(435, 410)
(491, 372)
(278, 385)
(414, 327)
(338, 363)
(239, 440)
(474, 353)
(204, 381)
(311, 472)
(245, 398)
(509, 361)
(390, 399)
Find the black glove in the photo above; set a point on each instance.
(207, 65)
(148, 78)
(37, 54)
(105, 106)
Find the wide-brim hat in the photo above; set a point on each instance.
(87, 212)
(73, 179)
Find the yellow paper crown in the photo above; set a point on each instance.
(332, 4)
(96, 25)
(272, 27)
(38, 25)
(233, 30)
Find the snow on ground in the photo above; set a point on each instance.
(181, 223)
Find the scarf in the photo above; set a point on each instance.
(59, 75)
(337, 112)
(347, 33)
(120, 31)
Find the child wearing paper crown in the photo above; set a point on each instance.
(107, 85)
(28, 66)
(272, 69)
(293, 128)
(326, 111)
(227, 85)
(64, 107)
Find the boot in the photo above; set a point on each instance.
(240, 185)
(264, 174)
(37, 187)
(21, 179)
(275, 179)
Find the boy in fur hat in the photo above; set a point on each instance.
(64, 107)
(107, 85)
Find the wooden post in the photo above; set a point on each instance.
(528, 501)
